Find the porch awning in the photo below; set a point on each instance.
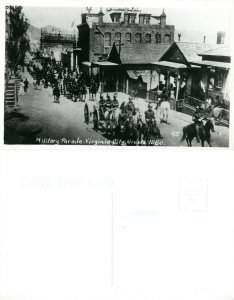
(169, 64)
(209, 63)
(104, 64)
(132, 74)
(86, 63)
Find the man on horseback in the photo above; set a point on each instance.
(151, 120)
(197, 119)
(149, 115)
(130, 107)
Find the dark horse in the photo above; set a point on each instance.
(151, 133)
(126, 132)
(189, 133)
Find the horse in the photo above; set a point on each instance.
(110, 118)
(126, 130)
(164, 108)
(149, 132)
(126, 133)
(189, 133)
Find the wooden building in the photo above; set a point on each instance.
(135, 76)
(185, 67)
(215, 67)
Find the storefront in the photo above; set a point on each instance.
(108, 73)
(185, 76)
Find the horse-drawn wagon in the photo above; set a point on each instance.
(127, 126)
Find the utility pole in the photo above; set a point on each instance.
(118, 78)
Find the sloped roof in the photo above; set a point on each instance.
(142, 53)
(191, 51)
(220, 51)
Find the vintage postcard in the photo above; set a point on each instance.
(81, 219)
(132, 76)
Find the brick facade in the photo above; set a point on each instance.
(96, 38)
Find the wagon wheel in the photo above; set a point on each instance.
(86, 114)
(95, 120)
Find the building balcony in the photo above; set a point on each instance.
(57, 38)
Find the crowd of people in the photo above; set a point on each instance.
(71, 83)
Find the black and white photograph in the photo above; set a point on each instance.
(120, 76)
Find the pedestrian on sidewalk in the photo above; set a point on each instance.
(21, 88)
(83, 92)
(56, 93)
(25, 85)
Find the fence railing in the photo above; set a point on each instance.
(221, 115)
(49, 37)
(193, 102)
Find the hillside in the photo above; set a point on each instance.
(55, 29)
(34, 33)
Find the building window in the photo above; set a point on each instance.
(128, 37)
(132, 19)
(148, 38)
(115, 17)
(107, 39)
(158, 38)
(117, 38)
(138, 38)
(147, 20)
(167, 38)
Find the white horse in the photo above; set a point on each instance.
(112, 119)
(217, 112)
(164, 110)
